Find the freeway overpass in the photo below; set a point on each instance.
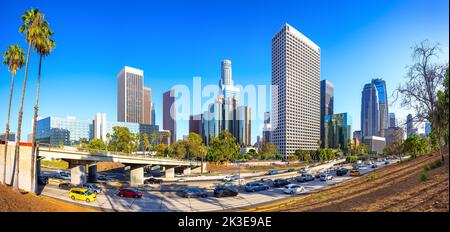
(80, 159)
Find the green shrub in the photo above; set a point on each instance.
(432, 165)
(424, 176)
(352, 159)
(372, 177)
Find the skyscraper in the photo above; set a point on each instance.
(225, 113)
(267, 128)
(374, 109)
(99, 125)
(226, 82)
(338, 129)
(370, 114)
(383, 104)
(169, 113)
(296, 97)
(147, 106)
(326, 105)
(392, 120)
(195, 124)
(153, 114)
(130, 95)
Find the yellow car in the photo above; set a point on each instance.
(354, 173)
(82, 194)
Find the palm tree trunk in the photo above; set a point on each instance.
(7, 128)
(19, 125)
(33, 148)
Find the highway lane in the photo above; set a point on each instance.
(168, 200)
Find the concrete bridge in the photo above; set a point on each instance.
(80, 160)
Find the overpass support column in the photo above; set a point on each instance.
(136, 175)
(77, 172)
(187, 171)
(92, 172)
(170, 172)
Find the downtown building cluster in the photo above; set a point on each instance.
(225, 113)
(135, 111)
(301, 117)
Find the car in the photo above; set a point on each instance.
(105, 178)
(386, 162)
(291, 170)
(42, 180)
(341, 171)
(129, 192)
(304, 177)
(93, 187)
(63, 175)
(266, 181)
(66, 186)
(355, 172)
(225, 191)
(272, 172)
(293, 188)
(325, 177)
(303, 170)
(194, 192)
(238, 179)
(144, 187)
(181, 180)
(82, 194)
(230, 178)
(230, 184)
(374, 165)
(255, 186)
(153, 181)
(280, 182)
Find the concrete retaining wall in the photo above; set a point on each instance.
(24, 165)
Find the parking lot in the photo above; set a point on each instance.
(166, 198)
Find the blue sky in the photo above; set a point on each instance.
(172, 41)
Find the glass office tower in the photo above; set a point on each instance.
(383, 104)
(326, 105)
(53, 130)
(370, 113)
(338, 130)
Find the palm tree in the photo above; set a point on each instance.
(29, 25)
(160, 137)
(14, 59)
(153, 137)
(43, 45)
(168, 134)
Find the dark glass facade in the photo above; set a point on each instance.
(338, 129)
(326, 105)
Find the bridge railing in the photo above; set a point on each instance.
(109, 153)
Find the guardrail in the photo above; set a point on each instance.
(110, 153)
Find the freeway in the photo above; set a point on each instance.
(164, 198)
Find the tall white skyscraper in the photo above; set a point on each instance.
(296, 97)
(100, 126)
(130, 95)
(226, 73)
(226, 82)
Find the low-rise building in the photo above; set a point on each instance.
(375, 144)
